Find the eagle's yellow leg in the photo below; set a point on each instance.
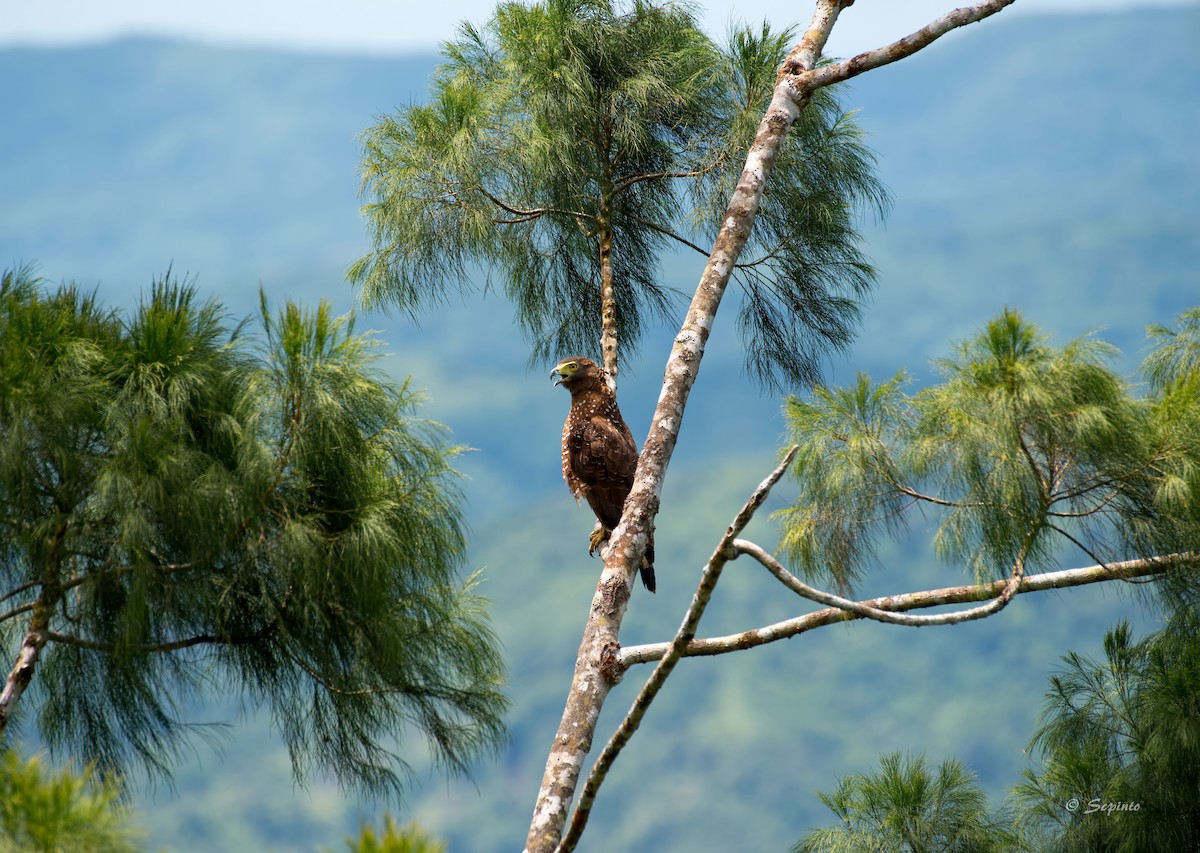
(599, 534)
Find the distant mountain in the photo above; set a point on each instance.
(235, 164)
(1045, 163)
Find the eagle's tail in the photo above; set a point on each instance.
(648, 565)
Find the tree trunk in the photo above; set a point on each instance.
(608, 297)
(22, 671)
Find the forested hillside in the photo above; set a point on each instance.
(1042, 163)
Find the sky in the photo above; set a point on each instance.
(404, 26)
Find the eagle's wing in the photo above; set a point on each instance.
(600, 459)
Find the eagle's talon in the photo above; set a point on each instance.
(598, 537)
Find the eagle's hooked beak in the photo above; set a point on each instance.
(557, 377)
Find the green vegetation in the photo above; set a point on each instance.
(1119, 746)
(1118, 764)
(185, 508)
(905, 807)
(394, 839)
(1024, 450)
(568, 144)
(1024, 440)
(46, 812)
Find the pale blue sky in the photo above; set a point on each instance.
(393, 26)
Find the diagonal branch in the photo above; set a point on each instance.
(1074, 540)
(724, 552)
(630, 181)
(17, 610)
(667, 232)
(521, 214)
(1129, 570)
(20, 589)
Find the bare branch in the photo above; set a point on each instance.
(520, 215)
(141, 648)
(806, 78)
(724, 552)
(936, 501)
(1074, 540)
(22, 671)
(865, 610)
(626, 183)
(1129, 570)
(525, 215)
(165, 646)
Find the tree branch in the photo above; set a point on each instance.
(167, 646)
(864, 609)
(667, 232)
(17, 610)
(628, 182)
(525, 215)
(20, 589)
(323, 682)
(724, 552)
(805, 78)
(27, 658)
(1129, 570)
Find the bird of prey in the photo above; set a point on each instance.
(599, 455)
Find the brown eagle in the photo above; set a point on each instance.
(599, 455)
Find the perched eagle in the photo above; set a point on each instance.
(599, 455)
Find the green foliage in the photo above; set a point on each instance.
(1024, 448)
(906, 806)
(1175, 357)
(565, 132)
(184, 507)
(44, 812)
(394, 839)
(1119, 747)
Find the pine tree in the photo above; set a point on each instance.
(188, 508)
(568, 143)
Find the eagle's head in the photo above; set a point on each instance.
(573, 370)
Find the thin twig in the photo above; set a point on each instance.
(626, 183)
(17, 611)
(20, 589)
(667, 232)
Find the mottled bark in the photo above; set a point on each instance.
(22, 671)
(608, 303)
(597, 668)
